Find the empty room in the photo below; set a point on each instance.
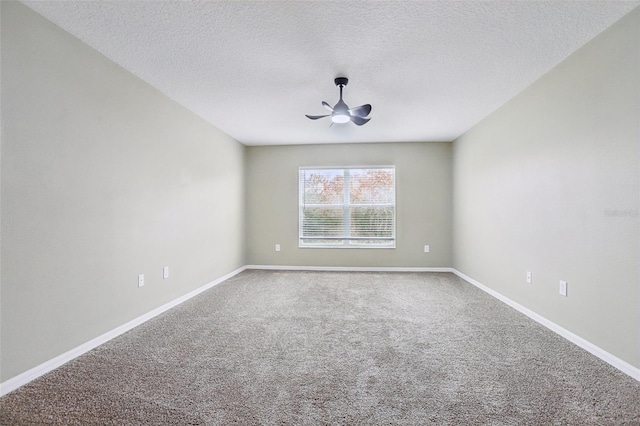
(320, 212)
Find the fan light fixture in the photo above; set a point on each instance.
(341, 113)
(340, 117)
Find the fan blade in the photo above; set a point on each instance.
(315, 117)
(361, 111)
(359, 120)
(327, 106)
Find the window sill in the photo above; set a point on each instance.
(346, 247)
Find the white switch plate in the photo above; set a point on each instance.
(426, 249)
(529, 278)
(141, 280)
(165, 272)
(277, 247)
(563, 288)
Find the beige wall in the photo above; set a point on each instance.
(423, 198)
(103, 178)
(550, 184)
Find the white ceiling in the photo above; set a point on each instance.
(431, 69)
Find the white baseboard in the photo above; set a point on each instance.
(607, 357)
(29, 375)
(350, 268)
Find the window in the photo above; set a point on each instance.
(347, 207)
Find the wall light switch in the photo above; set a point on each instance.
(426, 249)
(165, 272)
(141, 280)
(529, 278)
(563, 288)
(277, 247)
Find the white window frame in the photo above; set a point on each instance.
(347, 241)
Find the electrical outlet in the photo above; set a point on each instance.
(141, 280)
(277, 247)
(165, 272)
(529, 278)
(426, 249)
(563, 288)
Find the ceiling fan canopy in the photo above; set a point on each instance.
(341, 113)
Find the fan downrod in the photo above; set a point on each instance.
(341, 81)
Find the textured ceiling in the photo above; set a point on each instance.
(431, 69)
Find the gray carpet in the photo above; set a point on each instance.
(271, 347)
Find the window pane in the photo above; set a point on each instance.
(323, 186)
(322, 222)
(371, 186)
(372, 222)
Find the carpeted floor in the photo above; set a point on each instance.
(272, 347)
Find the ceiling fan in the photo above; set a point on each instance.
(341, 113)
